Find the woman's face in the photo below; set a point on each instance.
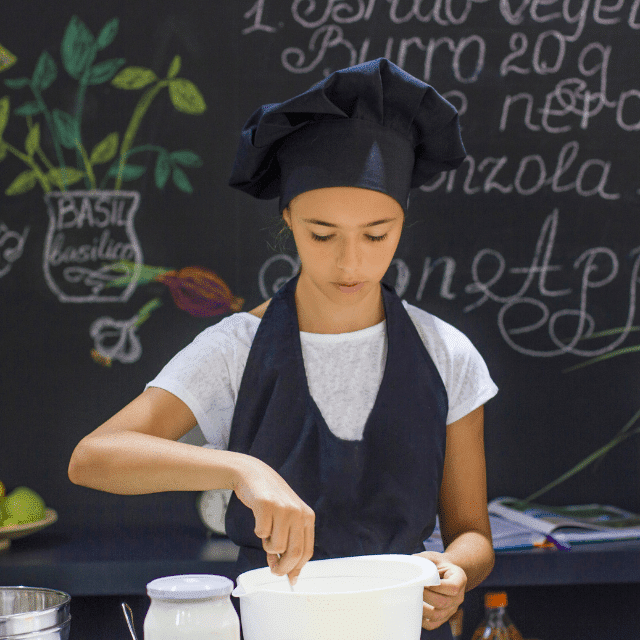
(345, 235)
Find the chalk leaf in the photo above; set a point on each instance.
(108, 33)
(105, 150)
(181, 181)
(45, 72)
(23, 183)
(187, 158)
(62, 176)
(174, 67)
(78, 49)
(134, 78)
(17, 83)
(33, 140)
(28, 109)
(163, 169)
(65, 127)
(186, 97)
(5, 108)
(104, 71)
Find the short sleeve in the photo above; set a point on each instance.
(203, 376)
(461, 367)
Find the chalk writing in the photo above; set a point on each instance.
(570, 96)
(440, 12)
(466, 56)
(86, 230)
(338, 10)
(514, 15)
(257, 11)
(531, 175)
(11, 247)
(596, 267)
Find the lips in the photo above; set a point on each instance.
(350, 288)
(348, 284)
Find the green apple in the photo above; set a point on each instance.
(23, 505)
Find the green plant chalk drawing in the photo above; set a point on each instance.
(91, 252)
(79, 53)
(628, 430)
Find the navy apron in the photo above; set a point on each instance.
(370, 496)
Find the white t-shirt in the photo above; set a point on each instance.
(344, 372)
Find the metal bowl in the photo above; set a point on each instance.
(24, 610)
(60, 632)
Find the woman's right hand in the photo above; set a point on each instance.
(284, 523)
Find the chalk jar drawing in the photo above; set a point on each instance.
(91, 250)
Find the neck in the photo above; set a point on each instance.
(319, 314)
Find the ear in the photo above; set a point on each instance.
(286, 215)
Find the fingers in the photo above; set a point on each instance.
(438, 600)
(434, 618)
(308, 541)
(292, 538)
(284, 522)
(437, 608)
(445, 589)
(264, 523)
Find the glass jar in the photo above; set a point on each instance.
(195, 606)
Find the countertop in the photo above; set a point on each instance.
(117, 561)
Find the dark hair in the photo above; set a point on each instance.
(283, 235)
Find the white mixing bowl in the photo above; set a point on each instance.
(360, 598)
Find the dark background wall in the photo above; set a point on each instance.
(529, 248)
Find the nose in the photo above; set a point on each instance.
(349, 256)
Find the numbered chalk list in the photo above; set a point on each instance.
(533, 245)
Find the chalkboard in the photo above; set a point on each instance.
(531, 247)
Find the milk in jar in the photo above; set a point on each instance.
(193, 607)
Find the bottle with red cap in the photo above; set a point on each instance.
(496, 624)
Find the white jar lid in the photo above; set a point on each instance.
(194, 586)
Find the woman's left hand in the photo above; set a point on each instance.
(442, 601)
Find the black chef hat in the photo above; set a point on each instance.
(372, 125)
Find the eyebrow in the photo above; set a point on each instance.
(328, 224)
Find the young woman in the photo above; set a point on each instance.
(343, 418)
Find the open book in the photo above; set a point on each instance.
(574, 523)
(505, 534)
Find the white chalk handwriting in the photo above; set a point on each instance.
(87, 231)
(257, 11)
(11, 247)
(529, 175)
(575, 14)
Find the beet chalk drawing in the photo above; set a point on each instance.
(196, 290)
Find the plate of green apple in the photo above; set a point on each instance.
(22, 512)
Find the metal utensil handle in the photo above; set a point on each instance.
(128, 616)
(288, 579)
